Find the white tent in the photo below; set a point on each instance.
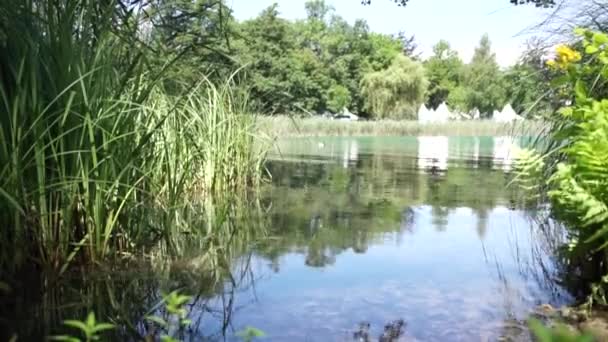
(497, 116)
(506, 115)
(475, 114)
(510, 113)
(424, 115)
(442, 114)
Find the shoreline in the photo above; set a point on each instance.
(286, 126)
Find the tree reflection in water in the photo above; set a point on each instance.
(320, 213)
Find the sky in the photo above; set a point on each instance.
(461, 22)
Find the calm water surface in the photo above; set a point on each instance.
(369, 231)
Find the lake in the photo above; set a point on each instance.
(416, 236)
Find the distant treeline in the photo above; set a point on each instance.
(323, 63)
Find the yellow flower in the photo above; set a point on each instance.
(567, 55)
(564, 56)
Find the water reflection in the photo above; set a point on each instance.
(433, 153)
(405, 238)
(505, 151)
(351, 152)
(421, 229)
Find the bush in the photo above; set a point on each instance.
(574, 169)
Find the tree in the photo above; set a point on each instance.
(482, 87)
(444, 72)
(528, 83)
(193, 34)
(317, 10)
(409, 45)
(537, 3)
(396, 92)
(383, 50)
(338, 97)
(265, 48)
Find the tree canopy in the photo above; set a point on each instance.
(537, 3)
(482, 85)
(396, 92)
(444, 72)
(324, 63)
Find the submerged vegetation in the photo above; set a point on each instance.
(97, 158)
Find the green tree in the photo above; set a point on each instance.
(482, 87)
(266, 47)
(537, 3)
(345, 52)
(338, 97)
(528, 83)
(317, 10)
(444, 72)
(396, 92)
(383, 50)
(191, 38)
(409, 47)
(307, 82)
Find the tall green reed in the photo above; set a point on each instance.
(90, 147)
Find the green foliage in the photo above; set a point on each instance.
(575, 168)
(90, 328)
(191, 34)
(559, 333)
(176, 316)
(482, 87)
(338, 97)
(527, 90)
(396, 92)
(444, 72)
(537, 3)
(93, 147)
(528, 83)
(264, 49)
(249, 334)
(384, 49)
(310, 65)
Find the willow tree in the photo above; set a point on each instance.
(395, 92)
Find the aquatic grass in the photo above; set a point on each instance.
(284, 126)
(92, 149)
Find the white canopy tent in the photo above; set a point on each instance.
(424, 114)
(507, 114)
(443, 113)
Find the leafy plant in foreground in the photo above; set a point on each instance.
(559, 333)
(174, 304)
(574, 169)
(90, 328)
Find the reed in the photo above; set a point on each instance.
(92, 151)
(285, 126)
